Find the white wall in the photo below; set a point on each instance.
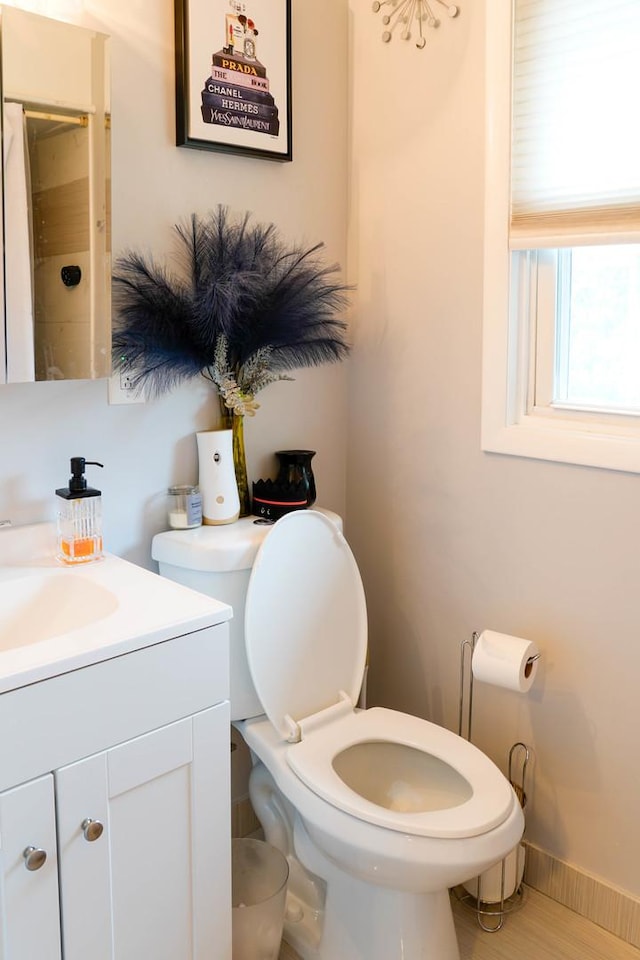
(145, 448)
(451, 539)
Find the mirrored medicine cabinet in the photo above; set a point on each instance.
(56, 208)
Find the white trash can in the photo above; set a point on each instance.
(259, 875)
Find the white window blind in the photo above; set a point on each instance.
(575, 161)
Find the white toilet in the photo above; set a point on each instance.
(378, 812)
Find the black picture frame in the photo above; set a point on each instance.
(244, 105)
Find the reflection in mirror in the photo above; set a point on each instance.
(56, 193)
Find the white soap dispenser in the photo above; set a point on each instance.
(79, 516)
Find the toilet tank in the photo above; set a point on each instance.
(217, 561)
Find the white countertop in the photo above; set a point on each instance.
(55, 618)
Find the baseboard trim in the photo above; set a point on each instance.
(617, 912)
(243, 820)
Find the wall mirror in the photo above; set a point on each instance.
(56, 209)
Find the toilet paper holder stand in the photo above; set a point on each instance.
(495, 909)
(466, 655)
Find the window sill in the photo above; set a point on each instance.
(564, 441)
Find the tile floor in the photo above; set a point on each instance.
(540, 929)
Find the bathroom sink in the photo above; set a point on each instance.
(56, 618)
(36, 608)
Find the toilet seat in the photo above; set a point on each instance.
(306, 642)
(486, 803)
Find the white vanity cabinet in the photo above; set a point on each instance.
(119, 771)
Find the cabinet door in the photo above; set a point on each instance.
(29, 913)
(156, 882)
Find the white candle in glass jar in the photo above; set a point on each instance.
(185, 507)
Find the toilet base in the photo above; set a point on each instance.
(332, 914)
(368, 922)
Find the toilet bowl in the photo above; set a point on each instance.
(378, 812)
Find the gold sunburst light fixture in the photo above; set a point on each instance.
(412, 15)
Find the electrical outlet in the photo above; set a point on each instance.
(121, 389)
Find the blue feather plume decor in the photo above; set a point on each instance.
(244, 311)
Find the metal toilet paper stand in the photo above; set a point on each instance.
(491, 911)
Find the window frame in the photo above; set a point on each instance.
(513, 420)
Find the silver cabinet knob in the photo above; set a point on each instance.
(34, 857)
(92, 829)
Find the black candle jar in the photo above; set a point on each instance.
(295, 470)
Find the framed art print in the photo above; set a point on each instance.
(233, 76)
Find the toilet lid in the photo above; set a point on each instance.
(305, 619)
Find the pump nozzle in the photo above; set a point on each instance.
(78, 481)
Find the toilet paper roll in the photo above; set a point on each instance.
(505, 661)
(488, 886)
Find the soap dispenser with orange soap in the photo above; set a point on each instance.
(79, 516)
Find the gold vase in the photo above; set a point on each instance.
(235, 422)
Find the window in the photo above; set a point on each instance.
(561, 354)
